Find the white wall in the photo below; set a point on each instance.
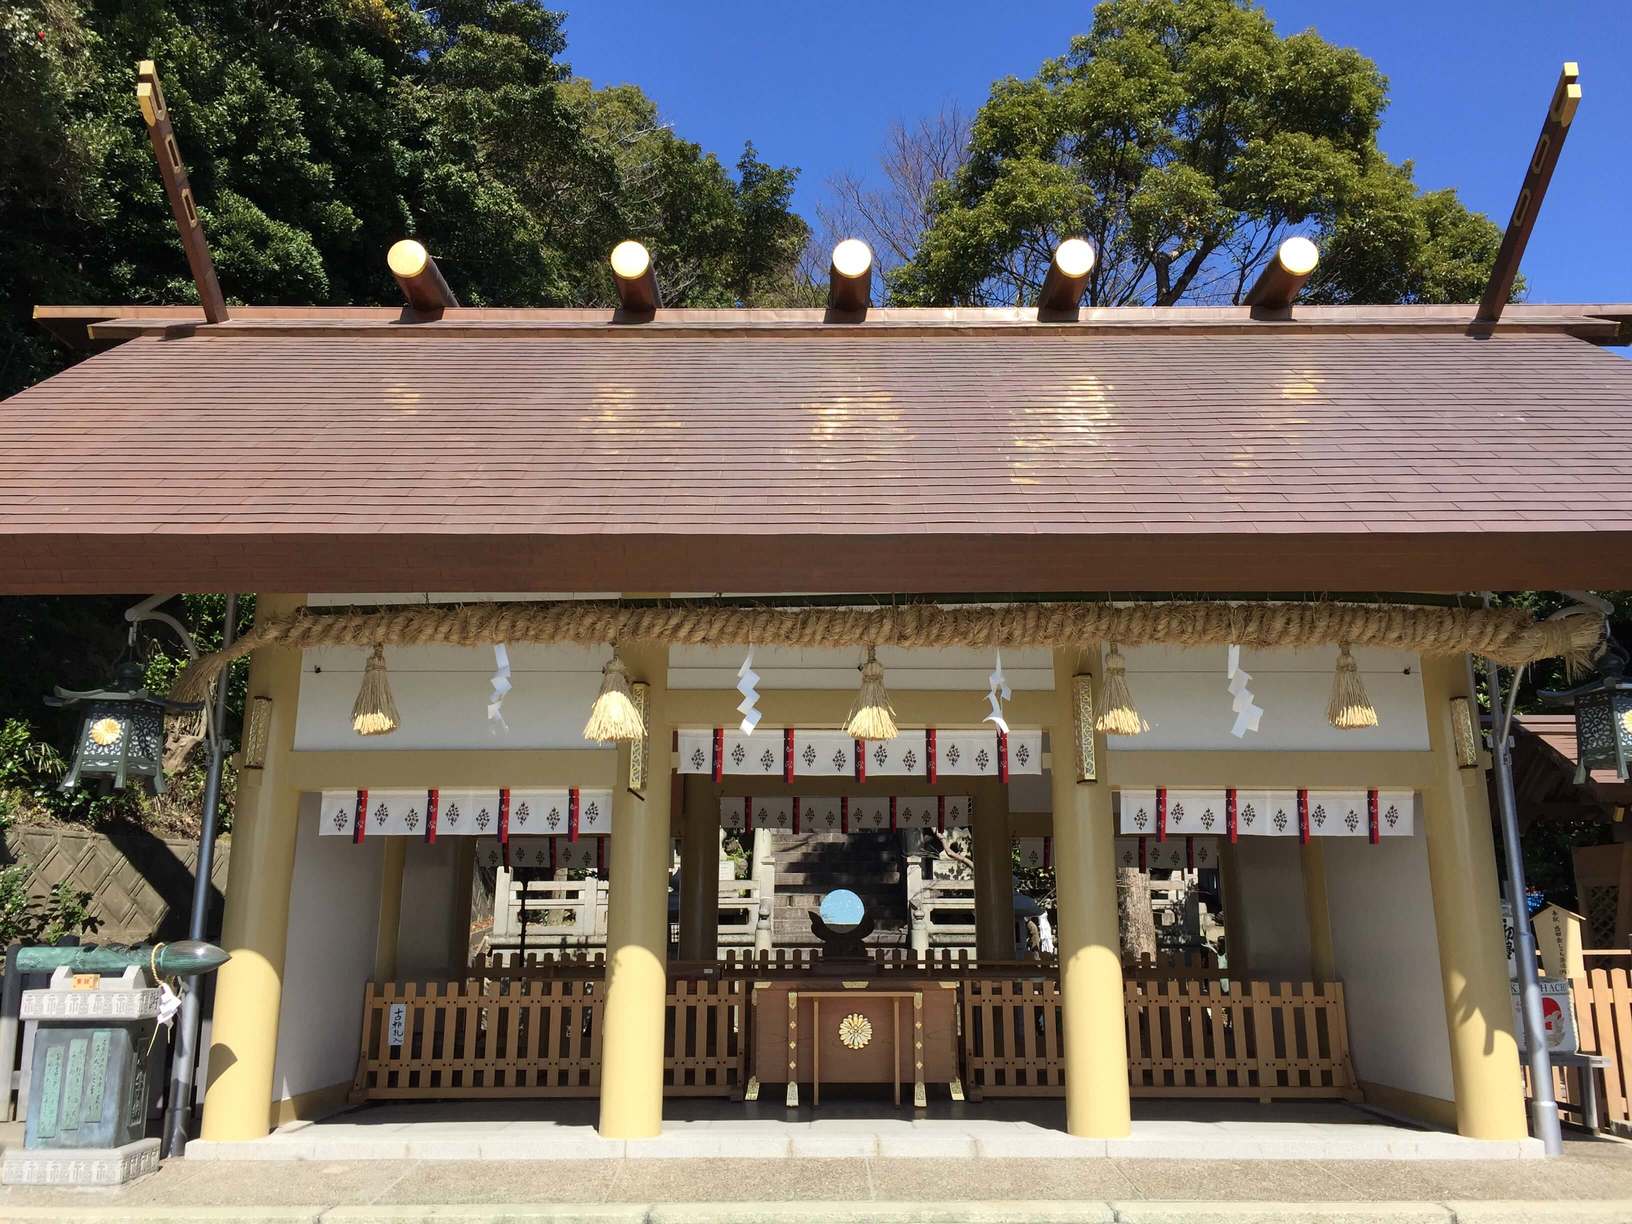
(1184, 695)
(442, 692)
(1270, 907)
(427, 907)
(334, 908)
(1387, 951)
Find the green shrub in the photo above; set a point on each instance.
(41, 920)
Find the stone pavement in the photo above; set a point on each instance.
(1590, 1184)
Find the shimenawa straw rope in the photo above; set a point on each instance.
(1508, 635)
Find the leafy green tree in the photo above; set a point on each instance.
(319, 132)
(1186, 139)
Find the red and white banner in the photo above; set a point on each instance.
(824, 814)
(1140, 853)
(1163, 813)
(560, 811)
(1036, 853)
(547, 853)
(928, 754)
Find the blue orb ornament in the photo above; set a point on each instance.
(842, 910)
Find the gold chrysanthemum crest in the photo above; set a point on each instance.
(855, 1030)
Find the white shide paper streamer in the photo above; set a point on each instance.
(1248, 713)
(501, 686)
(999, 688)
(748, 707)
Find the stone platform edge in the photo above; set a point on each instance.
(860, 1212)
(930, 1144)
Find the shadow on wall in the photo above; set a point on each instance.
(141, 884)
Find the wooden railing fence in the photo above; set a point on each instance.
(526, 1037)
(1603, 1022)
(1189, 1037)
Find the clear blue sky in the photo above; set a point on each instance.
(817, 85)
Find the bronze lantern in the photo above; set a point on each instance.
(1603, 714)
(121, 731)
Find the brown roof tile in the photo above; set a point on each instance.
(1004, 460)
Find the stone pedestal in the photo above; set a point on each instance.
(80, 1166)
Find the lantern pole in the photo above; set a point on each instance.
(178, 1105)
(1543, 1108)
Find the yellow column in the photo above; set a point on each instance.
(994, 874)
(385, 939)
(255, 927)
(700, 871)
(637, 933)
(1096, 1046)
(1472, 961)
(1322, 957)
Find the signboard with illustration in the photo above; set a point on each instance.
(1557, 1017)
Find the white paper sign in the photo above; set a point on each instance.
(397, 1025)
(1510, 941)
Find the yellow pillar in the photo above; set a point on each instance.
(700, 871)
(385, 939)
(637, 934)
(255, 927)
(1472, 961)
(1322, 956)
(1094, 1016)
(994, 874)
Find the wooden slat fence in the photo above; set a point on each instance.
(1190, 1037)
(1012, 1039)
(1603, 1021)
(527, 1037)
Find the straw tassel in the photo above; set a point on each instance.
(375, 711)
(872, 717)
(614, 716)
(1349, 709)
(1121, 716)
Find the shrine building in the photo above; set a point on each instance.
(654, 703)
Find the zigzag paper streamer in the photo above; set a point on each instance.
(501, 686)
(1248, 713)
(999, 686)
(748, 707)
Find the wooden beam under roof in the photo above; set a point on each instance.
(1539, 173)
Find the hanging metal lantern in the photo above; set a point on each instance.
(1603, 714)
(121, 732)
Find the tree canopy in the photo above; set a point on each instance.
(317, 132)
(1186, 139)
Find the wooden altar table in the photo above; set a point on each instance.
(854, 1033)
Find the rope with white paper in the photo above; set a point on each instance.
(1508, 635)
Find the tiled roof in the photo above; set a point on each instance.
(1557, 731)
(997, 460)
